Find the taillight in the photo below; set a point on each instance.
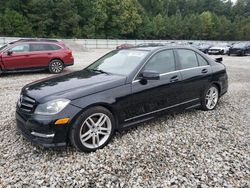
(69, 52)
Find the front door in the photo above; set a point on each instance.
(155, 95)
(16, 57)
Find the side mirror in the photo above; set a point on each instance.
(219, 59)
(9, 52)
(150, 75)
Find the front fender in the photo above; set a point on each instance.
(113, 99)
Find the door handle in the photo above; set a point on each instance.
(174, 79)
(49, 53)
(204, 71)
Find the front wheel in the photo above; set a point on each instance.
(210, 98)
(93, 129)
(56, 66)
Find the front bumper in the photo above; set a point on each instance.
(215, 52)
(41, 130)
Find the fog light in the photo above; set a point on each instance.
(62, 121)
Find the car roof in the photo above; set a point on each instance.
(161, 48)
(34, 40)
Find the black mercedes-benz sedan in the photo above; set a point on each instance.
(241, 48)
(123, 88)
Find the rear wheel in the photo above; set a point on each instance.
(56, 66)
(93, 129)
(210, 98)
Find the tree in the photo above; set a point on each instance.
(142, 19)
(14, 24)
(206, 25)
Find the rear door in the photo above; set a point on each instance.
(40, 54)
(155, 95)
(17, 57)
(196, 75)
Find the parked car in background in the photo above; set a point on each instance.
(204, 47)
(125, 46)
(123, 88)
(150, 45)
(219, 49)
(241, 48)
(35, 54)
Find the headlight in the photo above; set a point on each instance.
(52, 107)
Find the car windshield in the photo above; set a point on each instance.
(204, 45)
(222, 45)
(239, 45)
(3, 47)
(119, 62)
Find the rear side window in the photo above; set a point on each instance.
(202, 61)
(21, 48)
(55, 47)
(162, 62)
(187, 58)
(44, 47)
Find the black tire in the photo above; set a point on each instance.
(222, 52)
(80, 127)
(56, 66)
(204, 101)
(228, 54)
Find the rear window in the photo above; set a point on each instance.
(55, 47)
(201, 60)
(187, 58)
(43, 47)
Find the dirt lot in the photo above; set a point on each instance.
(195, 148)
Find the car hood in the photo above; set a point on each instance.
(238, 48)
(218, 48)
(72, 86)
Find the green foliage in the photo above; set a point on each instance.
(13, 23)
(140, 19)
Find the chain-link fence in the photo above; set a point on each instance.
(108, 43)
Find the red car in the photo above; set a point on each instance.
(35, 54)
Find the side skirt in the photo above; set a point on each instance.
(130, 123)
(32, 69)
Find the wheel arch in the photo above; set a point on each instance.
(100, 104)
(56, 58)
(218, 85)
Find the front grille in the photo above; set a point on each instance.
(26, 103)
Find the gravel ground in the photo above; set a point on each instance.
(191, 149)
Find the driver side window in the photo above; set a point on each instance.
(20, 48)
(162, 62)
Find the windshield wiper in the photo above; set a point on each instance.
(99, 70)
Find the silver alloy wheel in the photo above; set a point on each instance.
(95, 130)
(211, 97)
(56, 66)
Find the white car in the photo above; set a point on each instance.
(219, 49)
